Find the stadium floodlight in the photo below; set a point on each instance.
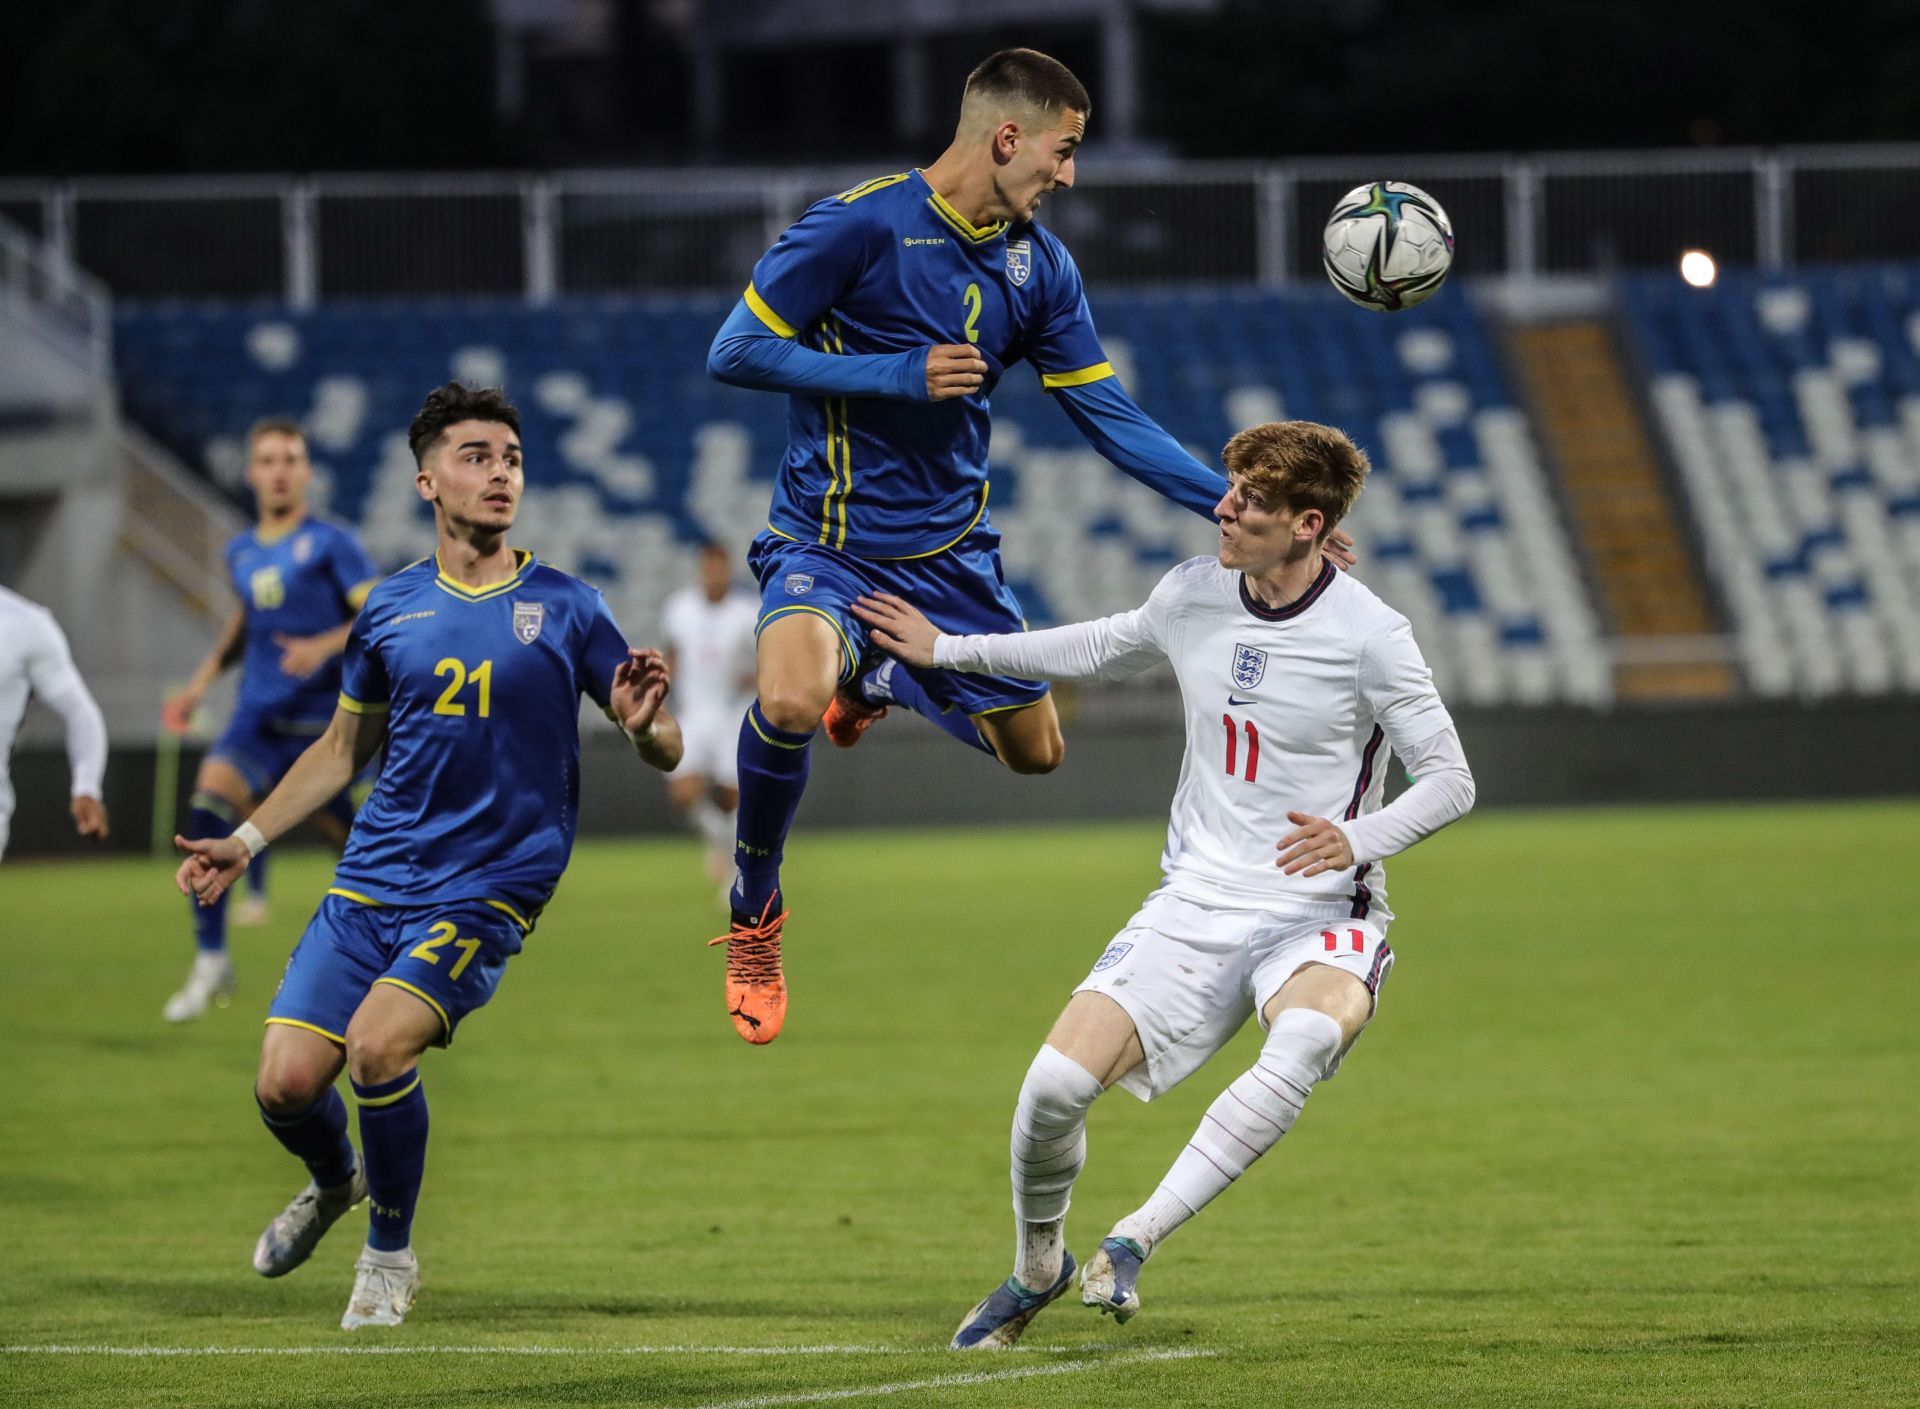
(1698, 269)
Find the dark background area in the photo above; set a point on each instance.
(133, 86)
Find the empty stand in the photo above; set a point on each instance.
(634, 454)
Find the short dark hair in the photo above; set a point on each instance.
(274, 425)
(453, 403)
(1030, 77)
(1302, 464)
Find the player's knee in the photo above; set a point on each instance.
(288, 1088)
(1301, 1045)
(375, 1054)
(795, 707)
(1041, 755)
(1057, 1092)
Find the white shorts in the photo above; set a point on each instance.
(1190, 976)
(712, 739)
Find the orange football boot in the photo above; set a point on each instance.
(849, 716)
(756, 989)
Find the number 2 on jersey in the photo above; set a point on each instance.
(480, 677)
(972, 297)
(1233, 746)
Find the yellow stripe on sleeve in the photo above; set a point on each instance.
(765, 314)
(1098, 372)
(353, 706)
(357, 598)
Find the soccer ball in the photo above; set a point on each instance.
(1387, 246)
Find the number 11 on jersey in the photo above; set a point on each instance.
(1233, 746)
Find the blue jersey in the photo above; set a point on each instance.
(889, 267)
(479, 790)
(299, 582)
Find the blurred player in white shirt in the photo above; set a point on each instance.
(34, 659)
(1297, 682)
(709, 631)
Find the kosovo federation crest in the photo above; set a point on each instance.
(799, 584)
(1019, 260)
(1249, 667)
(303, 548)
(528, 618)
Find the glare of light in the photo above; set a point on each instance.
(1697, 268)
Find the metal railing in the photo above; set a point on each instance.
(619, 233)
(38, 281)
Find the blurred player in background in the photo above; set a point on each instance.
(888, 314)
(469, 666)
(709, 645)
(300, 579)
(1297, 681)
(34, 659)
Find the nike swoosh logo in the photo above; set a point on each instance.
(1232, 701)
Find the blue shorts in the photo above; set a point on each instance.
(450, 956)
(262, 751)
(962, 590)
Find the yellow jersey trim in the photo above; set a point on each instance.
(986, 488)
(867, 188)
(846, 644)
(526, 925)
(308, 1027)
(1098, 372)
(356, 897)
(266, 538)
(353, 706)
(399, 1095)
(357, 598)
(477, 594)
(979, 234)
(776, 532)
(833, 507)
(1006, 709)
(426, 998)
(764, 312)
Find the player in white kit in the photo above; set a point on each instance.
(34, 659)
(709, 630)
(1297, 682)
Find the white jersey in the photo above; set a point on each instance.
(712, 653)
(34, 658)
(1288, 710)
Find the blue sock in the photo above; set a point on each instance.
(210, 816)
(317, 1137)
(773, 775)
(393, 1142)
(893, 683)
(257, 875)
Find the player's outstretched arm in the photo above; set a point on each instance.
(1108, 648)
(329, 764)
(177, 712)
(55, 679)
(637, 703)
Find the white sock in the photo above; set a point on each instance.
(1246, 1121)
(714, 825)
(1049, 1146)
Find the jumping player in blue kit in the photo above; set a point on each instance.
(469, 667)
(300, 579)
(888, 313)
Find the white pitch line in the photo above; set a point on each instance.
(142, 1352)
(826, 1396)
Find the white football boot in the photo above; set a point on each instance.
(384, 1286)
(209, 984)
(296, 1231)
(250, 911)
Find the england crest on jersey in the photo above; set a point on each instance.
(799, 584)
(1019, 260)
(1115, 953)
(1249, 667)
(528, 618)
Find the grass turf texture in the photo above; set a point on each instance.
(1636, 1126)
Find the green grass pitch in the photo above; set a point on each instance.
(1637, 1124)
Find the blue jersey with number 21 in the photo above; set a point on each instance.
(479, 791)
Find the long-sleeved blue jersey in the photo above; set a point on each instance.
(840, 314)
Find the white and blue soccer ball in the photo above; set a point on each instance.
(1387, 246)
